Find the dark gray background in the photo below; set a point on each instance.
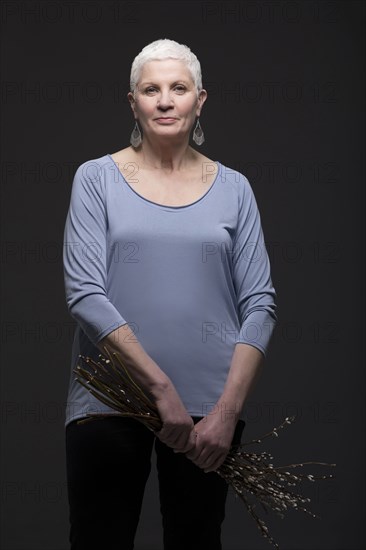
(285, 107)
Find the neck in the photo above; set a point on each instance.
(168, 157)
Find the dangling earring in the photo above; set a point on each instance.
(136, 139)
(198, 136)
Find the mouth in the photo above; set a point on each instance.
(165, 118)
(165, 121)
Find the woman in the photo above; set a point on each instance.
(164, 262)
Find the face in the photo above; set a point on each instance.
(165, 103)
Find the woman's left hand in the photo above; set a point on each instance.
(213, 441)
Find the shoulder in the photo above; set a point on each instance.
(237, 186)
(92, 168)
(92, 175)
(235, 179)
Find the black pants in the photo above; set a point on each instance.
(108, 464)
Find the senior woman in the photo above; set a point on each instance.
(165, 263)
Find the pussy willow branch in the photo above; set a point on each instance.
(246, 472)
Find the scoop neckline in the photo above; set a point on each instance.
(165, 205)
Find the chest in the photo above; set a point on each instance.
(170, 191)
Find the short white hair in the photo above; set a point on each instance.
(166, 49)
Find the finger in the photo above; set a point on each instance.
(187, 443)
(214, 466)
(166, 435)
(194, 454)
(186, 449)
(190, 443)
(198, 456)
(176, 443)
(160, 433)
(207, 461)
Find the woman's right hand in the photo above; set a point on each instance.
(178, 427)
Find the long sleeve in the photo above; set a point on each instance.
(251, 275)
(85, 256)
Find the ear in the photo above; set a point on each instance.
(132, 102)
(202, 96)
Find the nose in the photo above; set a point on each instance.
(165, 100)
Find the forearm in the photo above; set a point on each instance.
(245, 369)
(140, 365)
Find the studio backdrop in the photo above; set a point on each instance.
(285, 107)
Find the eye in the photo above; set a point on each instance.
(149, 89)
(180, 88)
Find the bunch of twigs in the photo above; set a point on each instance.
(246, 472)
